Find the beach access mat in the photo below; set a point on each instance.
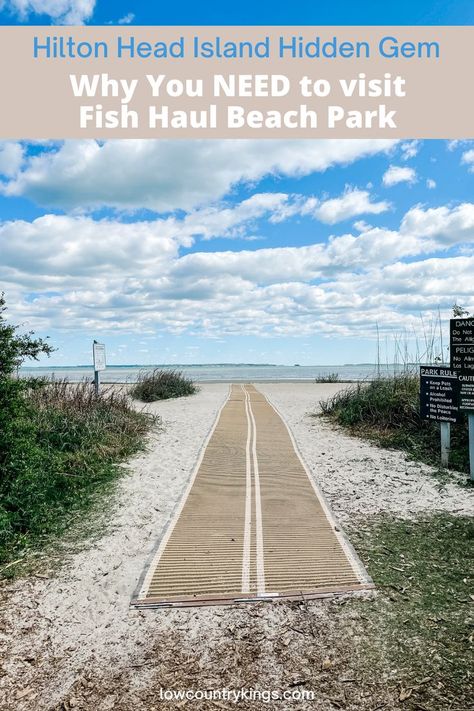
(252, 524)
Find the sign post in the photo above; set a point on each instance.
(98, 350)
(445, 393)
(466, 404)
(445, 428)
(461, 332)
(439, 389)
(470, 418)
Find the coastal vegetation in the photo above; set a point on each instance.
(416, 630)
(387, 410)
(161, 385)
(328, 378)
(60, 445)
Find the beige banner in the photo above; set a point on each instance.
(236, 82)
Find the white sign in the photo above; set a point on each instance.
(99, 356)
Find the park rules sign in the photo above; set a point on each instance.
(439, 394)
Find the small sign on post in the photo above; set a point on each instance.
(98, 350)
(461, 344)
(439, 395)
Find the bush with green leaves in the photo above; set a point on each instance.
(64, 447)
(59, 445)
(328, 378)
(15, 347)
(388, 411)
(162, 384)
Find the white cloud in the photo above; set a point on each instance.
(80, 273)
(457, 143)
(126, 19)
(11, 157)
(170, 175)
(234, 221)
(453, 144)
(468, 159)
(352, 203)
(362, 226)
(58, 250)
(63, 249)
(398, 174)
(447, 225)
(430, 184)
(410, 149)
(63, 12)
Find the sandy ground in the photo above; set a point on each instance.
(357, 477)
(69, 639)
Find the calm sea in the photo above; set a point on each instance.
(217, 373)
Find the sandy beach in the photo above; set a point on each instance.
(69, 638)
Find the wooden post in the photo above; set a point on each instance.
(470, 419)
(96, 381)
(445, 428)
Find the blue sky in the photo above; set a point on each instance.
(246, 12)
(242, 251)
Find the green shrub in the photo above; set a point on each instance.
(384, 402)
(161, 385)
(388, 410)
(59, 444)
(328, 378)
(57, 451)
(15, 347)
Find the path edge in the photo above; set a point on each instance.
(353, 557)
(146, 576)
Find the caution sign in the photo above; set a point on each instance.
(461, 336)
(466, 392)
(439, 394)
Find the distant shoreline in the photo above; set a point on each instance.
(135, 366)
(247, 380)
(223, 373)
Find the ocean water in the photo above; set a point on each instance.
(217, 373)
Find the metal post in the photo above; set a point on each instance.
(96, 381)
(470, 418)
(445, 442)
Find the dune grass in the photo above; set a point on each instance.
(162, 385)
(387, 410)
(328, 378)
(61, 446)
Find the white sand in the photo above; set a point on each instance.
(356, 476)
(76, 627)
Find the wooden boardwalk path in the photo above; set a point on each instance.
(252, 524)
